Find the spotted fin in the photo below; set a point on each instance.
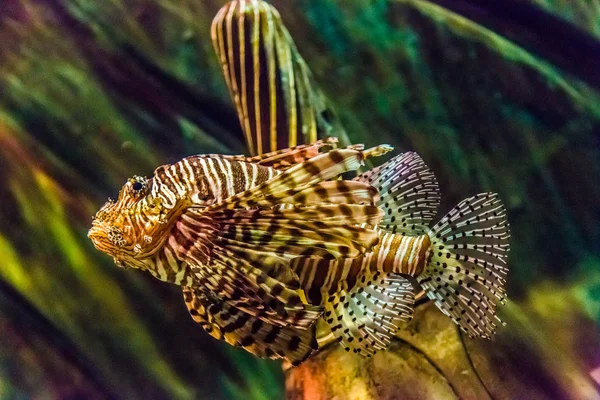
(278, 103)
(408, 191)
(467, 270)
(366, 318)
(242, 329)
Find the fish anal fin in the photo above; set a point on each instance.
(365, 319)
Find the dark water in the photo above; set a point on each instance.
(92, 93)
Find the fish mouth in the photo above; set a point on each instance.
(99, 237)
(95, 234)
(98, 234)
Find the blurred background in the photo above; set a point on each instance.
(501, 98)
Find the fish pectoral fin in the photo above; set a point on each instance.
(249, 272)
(328, 231)
(244, 328)
(197, 305)
(408, 193)
(366, 318)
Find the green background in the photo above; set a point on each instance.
(93, 92)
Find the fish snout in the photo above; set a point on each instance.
(97, 234)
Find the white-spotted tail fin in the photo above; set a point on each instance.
(467, 268)
(408, 193)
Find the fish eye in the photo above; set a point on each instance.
(138, 184)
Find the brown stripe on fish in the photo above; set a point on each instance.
(207, 177)
(402, 254)
(163, 187)
(166, 267)
(219, 178)
(393, 254)
(239, 177)
(239, 327)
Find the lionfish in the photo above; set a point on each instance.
(266, 246)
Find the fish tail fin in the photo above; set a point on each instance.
(466, 269)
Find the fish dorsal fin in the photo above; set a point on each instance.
(321, 168)
(366, 318)
(278, 103)
(242, 329)
(467, 270)
(285, 158)
(408, 193)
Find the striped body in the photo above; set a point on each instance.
(205, 180)
(399, 254)
(202, 181)
(145, 224)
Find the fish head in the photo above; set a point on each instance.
(131, 228)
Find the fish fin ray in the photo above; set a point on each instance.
(241, 328)
(408, 191)
(242, 275)
(466, 274)
(285, 231)
(277, 100)
(366, 318)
